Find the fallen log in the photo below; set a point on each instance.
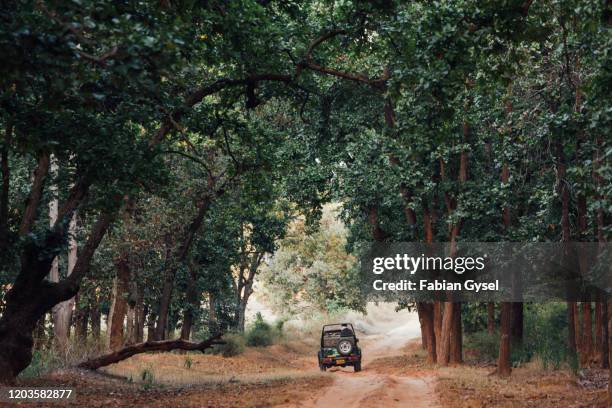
(147, 346)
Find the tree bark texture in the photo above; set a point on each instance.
(118, 310)
(503, 366)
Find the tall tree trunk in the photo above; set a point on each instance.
(130, 324)
(438, 312)
(141, 314)
(432, 316)
(96, 317)
(377, 232)
(445, 334)
(491, 317)
(60, 336)
(503, 366)
(598, 326)
(81, 319)
(516, 332)
(192, 298)
(213, 325)
(599, 225)
(563, 191)
(605, 335)
(151, 327)
(118, 308)
(586, 351)
(571, 323)
(577, 325)
(426, 312)
(586, 340)
(450, 340)
(456, 335)
(241, 316)
(423, 333)
(245, 285)
(63, 311)
(132, 311)
(164, 305)
(456, 348)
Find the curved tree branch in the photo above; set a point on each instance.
(148, 346)
(309, 64)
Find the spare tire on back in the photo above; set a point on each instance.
(345, 346)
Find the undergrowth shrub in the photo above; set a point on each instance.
(49, 357)
(234, 345)
(546, 335)
(260, 334)
(544, 339)
(188, 362)
(43, 361)
(148, 379)
(474, 317)
(486, 345)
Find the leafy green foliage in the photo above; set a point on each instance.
(486, 345)
(260, 334)
(545, 338)
(235, 344)
(311, 271)
(474, 317)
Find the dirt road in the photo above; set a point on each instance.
(375, 386)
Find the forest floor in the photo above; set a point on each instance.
(286, 375)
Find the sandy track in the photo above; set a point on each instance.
(373, 387)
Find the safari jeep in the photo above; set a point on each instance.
(339, 347)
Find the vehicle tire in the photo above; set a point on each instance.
(357, 366)
(345, 346)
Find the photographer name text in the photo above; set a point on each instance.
(435, 285)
